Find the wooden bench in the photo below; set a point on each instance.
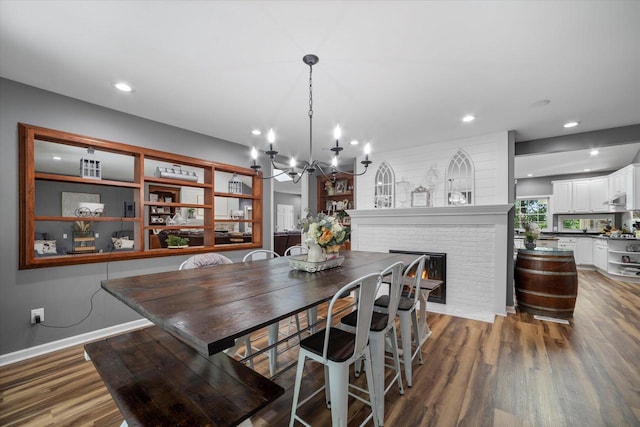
(157, 380)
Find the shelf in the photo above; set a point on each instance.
(630, 264)
(233, 195)
(87, 218)
(624, 252)
(77, 179)
(177, 182)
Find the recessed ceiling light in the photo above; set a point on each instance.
(594, 152)
(587, 170)
(354, 142)
(529, 174)
(57, 158)
(256, 132)
(123, 87)
(468, 118)
(571, 124)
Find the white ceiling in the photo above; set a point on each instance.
(396, 73)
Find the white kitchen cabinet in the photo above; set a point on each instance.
(567, 243)
(633, 190)
(600, 253)
(599, 193)
(584, 251)
(562, 191)
(581, 200)
(617, 183)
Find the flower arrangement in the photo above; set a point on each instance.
(531, 233)
(325, 230)
(531, 230)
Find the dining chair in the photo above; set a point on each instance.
(408, 314)
(296, 250)
(204, 260)
(337, 349)
(382, 325)
(211, 259)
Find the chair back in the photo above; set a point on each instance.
(260, 254)
(395, 289)
(296, 250)
(416, 267)
(365, 288)
(204, 260)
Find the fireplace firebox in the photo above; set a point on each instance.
(435, 268)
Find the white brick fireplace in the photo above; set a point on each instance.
(473, 237)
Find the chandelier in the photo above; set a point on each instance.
(309, 166)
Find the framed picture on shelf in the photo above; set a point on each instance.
(419, 198)
(153, 197)
(341, 186)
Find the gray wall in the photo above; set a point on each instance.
(65, 292)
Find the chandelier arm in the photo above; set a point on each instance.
(340, 170)
(282, 172)
(299, 176)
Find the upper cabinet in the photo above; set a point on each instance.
(580, 195)
(597, 194)
(127, 201)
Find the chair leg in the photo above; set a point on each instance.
(339, 381)
(396, 358)
(376, 347)
(416, 334)
(405, 336)
(327, 387)
(273, 338)
(373, 398)
(296, 388)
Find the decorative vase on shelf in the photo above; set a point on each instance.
(529, 243)
(316, 254)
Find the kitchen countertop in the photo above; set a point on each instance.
(554, 236)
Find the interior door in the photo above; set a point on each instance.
(284, 217)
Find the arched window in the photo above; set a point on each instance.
(384, 187)
(460, 180)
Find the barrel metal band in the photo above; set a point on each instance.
(548, 273)
(537, 307)
(544, 294)
(546, 259)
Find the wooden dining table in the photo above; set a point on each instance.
(208, 308)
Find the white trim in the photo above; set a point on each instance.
(49, 347)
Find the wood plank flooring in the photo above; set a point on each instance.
(518, 371)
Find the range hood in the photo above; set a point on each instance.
(618, 203)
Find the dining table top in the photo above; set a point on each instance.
(208, 308)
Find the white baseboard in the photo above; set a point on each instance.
(39, 350)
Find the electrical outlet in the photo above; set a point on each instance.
(64, 236)
(37, 312)
(97, 235)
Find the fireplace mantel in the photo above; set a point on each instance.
(475, 239)
(477, 212)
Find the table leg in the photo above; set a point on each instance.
(312, 318)
(273, 338)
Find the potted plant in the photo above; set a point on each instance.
(174, 241)
(531, 234)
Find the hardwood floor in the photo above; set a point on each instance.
(518, 371)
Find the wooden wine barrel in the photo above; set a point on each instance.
(546, 281)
